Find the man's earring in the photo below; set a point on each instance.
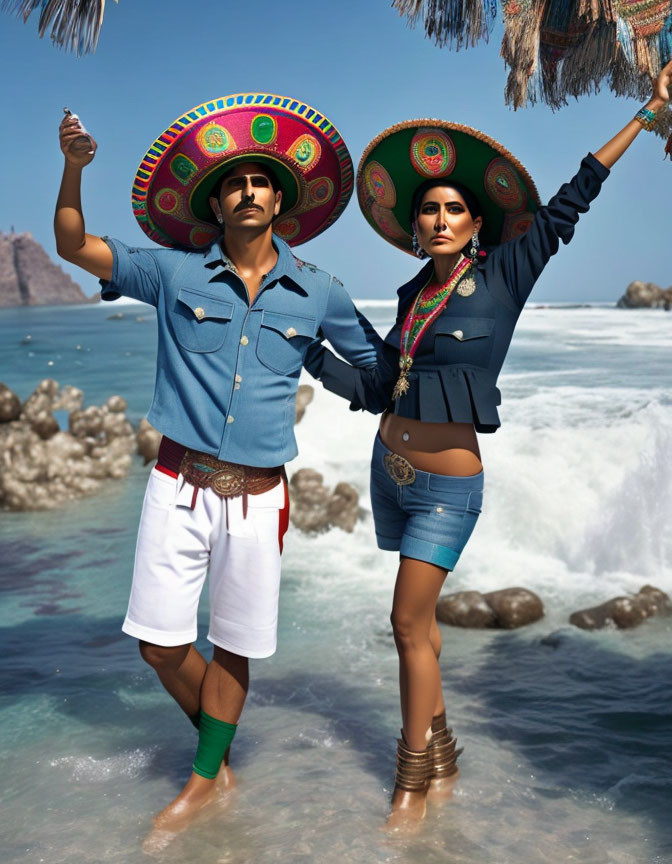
(418, 251)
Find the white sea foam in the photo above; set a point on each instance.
(87, 769)
(578, 480)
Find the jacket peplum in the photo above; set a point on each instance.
(455, 369)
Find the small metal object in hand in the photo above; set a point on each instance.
(399, 469)
(82, 143)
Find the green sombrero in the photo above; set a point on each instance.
(406, 155)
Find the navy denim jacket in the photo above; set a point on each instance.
(227, 372)
(455, 370)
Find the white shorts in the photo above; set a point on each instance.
(178, 546)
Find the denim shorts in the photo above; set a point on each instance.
(431, 519)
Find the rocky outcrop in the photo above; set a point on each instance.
(304, 396)
(44, 466)
(315, 509)
(148, 440)
(507, 609)
(28, 277)
(624, 612)
(645, 295)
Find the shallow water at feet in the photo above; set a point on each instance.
(567, 735)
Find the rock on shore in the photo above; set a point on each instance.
(315, 509)
(508, 608)
(646, 295)
(304, 396)
(44, 466)
(624, 612)
(28, 276)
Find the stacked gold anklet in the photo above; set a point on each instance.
(442, 749)
(413, 768)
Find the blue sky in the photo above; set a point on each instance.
(360, 64)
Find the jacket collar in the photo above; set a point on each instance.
(410, 289)
(288, 268)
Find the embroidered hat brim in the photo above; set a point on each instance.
(406, 155)
(181, 169)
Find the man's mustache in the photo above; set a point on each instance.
(245, 204)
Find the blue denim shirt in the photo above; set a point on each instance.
(227, 371)
(455, 370)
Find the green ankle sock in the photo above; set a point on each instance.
(214, 738)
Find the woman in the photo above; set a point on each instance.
(445, 191)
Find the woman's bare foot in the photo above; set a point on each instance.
(442, 788)
(407, 811)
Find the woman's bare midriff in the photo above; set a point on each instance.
(439, 448)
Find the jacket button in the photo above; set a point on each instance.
(290, 331)
(199, 312)
(230, 419)
(458, 334)
(244, 340)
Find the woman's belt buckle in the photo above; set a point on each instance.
(399, 469)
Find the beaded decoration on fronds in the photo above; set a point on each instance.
(560, 48)
(74, 24)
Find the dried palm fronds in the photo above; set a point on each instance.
(560, 48)
(455, 24)
(75, 24)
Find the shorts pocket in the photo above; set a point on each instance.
(157, 507)
(161, 489)
(262, 524)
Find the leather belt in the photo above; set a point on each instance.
(227, 479)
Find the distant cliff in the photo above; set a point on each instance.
(28, 277)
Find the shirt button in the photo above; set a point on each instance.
(236, 386)
(458, 334)
(238, 379)
(439, 509)
(291, 331)
(199, 312)
(229, 419)
(244, 340)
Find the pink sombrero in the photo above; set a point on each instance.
(178, 173)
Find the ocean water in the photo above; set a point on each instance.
(567, 735)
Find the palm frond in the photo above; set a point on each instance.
(73, 24)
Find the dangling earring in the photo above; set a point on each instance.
(475, 244)
(418, 251)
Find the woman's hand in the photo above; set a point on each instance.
(68, 131)
(663, 85)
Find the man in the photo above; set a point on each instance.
(237, 319)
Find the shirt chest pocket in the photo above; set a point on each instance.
(283, 340)
(201, 322)
(463, 340)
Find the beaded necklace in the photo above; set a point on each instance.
(428, 305)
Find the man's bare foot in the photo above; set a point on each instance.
(194, 799)
(407, 812)
(442, 788)
(197, 794)
(225, 782)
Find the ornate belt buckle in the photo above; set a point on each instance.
(399, 469)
